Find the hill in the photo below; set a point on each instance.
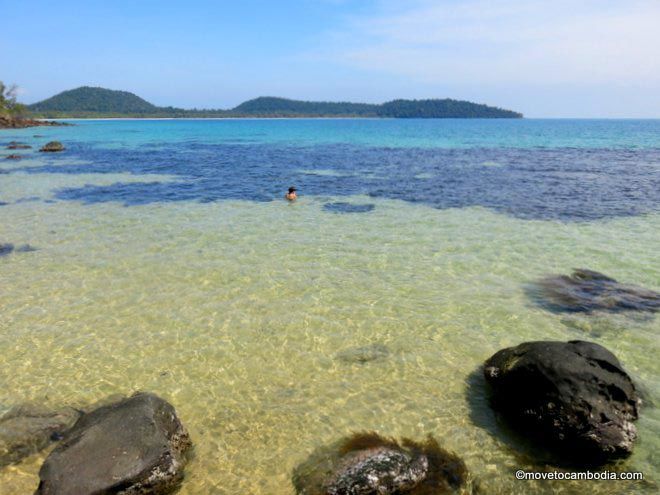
(443, 109)
(266, 105)
(99, 102)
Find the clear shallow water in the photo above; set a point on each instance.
(166, 261)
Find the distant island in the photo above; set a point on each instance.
(89, 102)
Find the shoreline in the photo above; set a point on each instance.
(13, 123)
(60, 119)
(66, 119)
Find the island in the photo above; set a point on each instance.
(92, 102)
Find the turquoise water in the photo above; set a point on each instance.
(444, 133)
(166, 260)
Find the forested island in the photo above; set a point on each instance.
(89, 102)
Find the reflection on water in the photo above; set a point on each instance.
(242, 314)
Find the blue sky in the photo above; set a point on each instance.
(560, 58)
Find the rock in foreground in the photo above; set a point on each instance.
(53, 146)
(28, 428)
(368, 464)
(137, 445)
(586, 290)
(573, 397)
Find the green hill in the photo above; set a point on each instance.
(442, 109)
(399, 109)
(100, 102)
(265, 105)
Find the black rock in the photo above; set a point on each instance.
(13, 157)
(53, 146)
(136, 445)
(368, 464)
(363, 354)
(586, 291)
(573, 397)
(5, 249)
(28, 428)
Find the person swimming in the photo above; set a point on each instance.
(291, 195)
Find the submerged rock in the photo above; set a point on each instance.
(586, 290)
(364, 354)
(13, 157)
(603, 323)
(18, 146)
(28, 428)
(52, 146)
(368, 464)
(573, 397)
(341, 207)
(134, 446)
(6, 248)
(26, 248)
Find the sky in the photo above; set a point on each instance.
(557, 58)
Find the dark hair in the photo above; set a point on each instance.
(292, 189)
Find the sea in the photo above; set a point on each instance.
(160, 255)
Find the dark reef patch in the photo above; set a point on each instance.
(568, 184)
(341, 207)
(26, 248)
(27, 199)
(9, 248)
(587, 291)
(6, 249)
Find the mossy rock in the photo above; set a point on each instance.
(369, 464)
(53, 146)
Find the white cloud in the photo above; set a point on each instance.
(506, 41)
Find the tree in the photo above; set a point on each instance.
(8, 104)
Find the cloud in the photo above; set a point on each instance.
(506, 41)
